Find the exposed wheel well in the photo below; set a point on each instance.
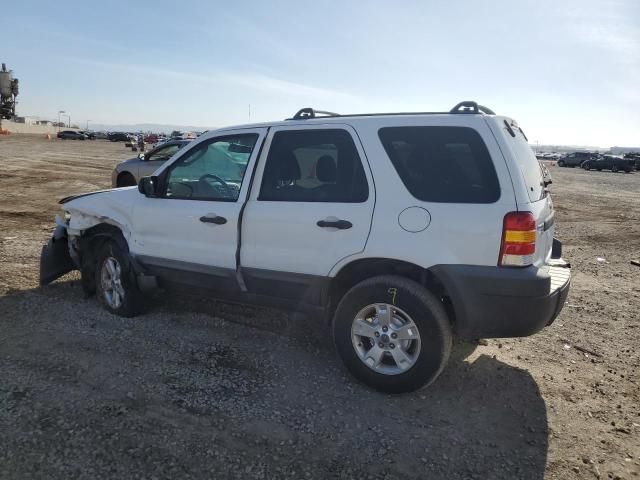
(126, 179)
(359, 270)
(90, 243)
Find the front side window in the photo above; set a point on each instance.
(442, 164)
(314, 166)
(211, 170)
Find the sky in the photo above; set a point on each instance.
(568, 71)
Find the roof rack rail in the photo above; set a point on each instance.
(471, 107)
(306, 113)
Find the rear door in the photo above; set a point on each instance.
(527, 175)
(310, 207)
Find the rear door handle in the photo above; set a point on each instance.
(339, 224)
(217, 219)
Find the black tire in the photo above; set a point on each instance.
(586, 166)
(560, 163)
(125, 179)
(614, 169)
(132, 303)
(426, 311)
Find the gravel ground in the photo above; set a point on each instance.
(200, 388)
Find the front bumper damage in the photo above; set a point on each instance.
(55, 259)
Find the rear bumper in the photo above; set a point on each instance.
(497, 302)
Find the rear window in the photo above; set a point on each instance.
(442, 164)
(527, 163)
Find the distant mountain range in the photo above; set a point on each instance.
(582, 148)
(146, 127)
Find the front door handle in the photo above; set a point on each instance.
(217, 219)
(339, 224)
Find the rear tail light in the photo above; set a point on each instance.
(518, 240)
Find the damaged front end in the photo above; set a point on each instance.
(89, 215)
(56, 259)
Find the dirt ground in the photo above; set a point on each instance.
(206, 389)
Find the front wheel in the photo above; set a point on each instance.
(586, 166)
(560, 163)
(614, 169)
(392, 334)
(116, 286)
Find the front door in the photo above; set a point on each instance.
(311, 206)
(189, 231)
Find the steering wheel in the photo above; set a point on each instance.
(227, 189)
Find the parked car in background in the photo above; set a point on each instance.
(71, 135)
(101, 135)
(128, 173)
(609, 162)
(575, 159)
(90, 135)
(132, 140)
(635, 157)
(118, 137)
(299, 214)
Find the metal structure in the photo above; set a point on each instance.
(8, 93)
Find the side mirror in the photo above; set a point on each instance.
(141, 155)
(148, 186)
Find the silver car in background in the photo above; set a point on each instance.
(128, 172)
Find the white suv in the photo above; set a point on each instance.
(400, 230)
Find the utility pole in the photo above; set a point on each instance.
(59, 112)
(87, 124)
(249, 113)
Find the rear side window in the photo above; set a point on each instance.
(313, 166)
(442, 164)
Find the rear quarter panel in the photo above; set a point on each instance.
(458, 233)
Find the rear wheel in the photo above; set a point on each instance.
(614, 169)
(586, 166)
(125, 179)
(560, 163)
(116, 286)
(392, 334)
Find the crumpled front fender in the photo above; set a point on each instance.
(55, 259)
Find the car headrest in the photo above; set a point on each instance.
(288, 168)
(326, 170)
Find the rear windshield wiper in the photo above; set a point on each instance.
(525, 137)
